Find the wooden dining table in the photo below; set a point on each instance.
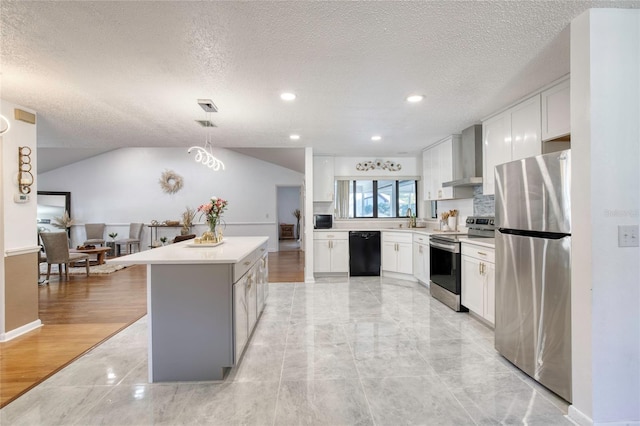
(100, 252)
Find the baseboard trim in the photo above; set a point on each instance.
(578, 417)
(4, 337)
(400, 276)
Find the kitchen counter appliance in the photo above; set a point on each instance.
(364, 253)
(533, 267)
(322, 221)
(445, 273)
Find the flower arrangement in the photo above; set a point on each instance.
(113, 235)
(213, 211)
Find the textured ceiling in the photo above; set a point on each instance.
(104, 75)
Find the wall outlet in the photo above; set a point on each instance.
(627, 235)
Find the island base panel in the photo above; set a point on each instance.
(190, 322)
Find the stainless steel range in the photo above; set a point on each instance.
(445, 274)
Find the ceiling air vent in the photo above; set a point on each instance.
(206, 123)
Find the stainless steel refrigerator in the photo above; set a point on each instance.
(533, 267)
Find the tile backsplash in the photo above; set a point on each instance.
(483, 205)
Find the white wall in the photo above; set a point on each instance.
(18, 229)
(605, 127)
(288, 201)
(121, 186)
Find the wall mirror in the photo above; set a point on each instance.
(52, 204)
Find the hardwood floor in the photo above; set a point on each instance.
(286, 267)
(77, 314)
(80, 313)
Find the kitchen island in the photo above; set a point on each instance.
(202, 305)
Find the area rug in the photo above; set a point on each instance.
(107, 268)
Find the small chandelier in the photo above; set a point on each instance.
(204, 154)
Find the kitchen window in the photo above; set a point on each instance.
(378, 198)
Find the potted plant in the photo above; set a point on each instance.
(163, 240)
(297, 214)
(112, 244)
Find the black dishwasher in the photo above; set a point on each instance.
(364, 253)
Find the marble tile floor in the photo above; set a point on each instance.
(358, 351)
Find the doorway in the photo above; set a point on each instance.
(289, 209)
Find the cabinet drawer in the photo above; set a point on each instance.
(241, 268)
(479, 252)
(421, 239)
(330, 235)
(397, 237)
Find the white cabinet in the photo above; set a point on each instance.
(240, 318)
(438, 167)
(330, 252)
(525, 129)
(249, 297)
(421, 268)
(556, 117)
(428, 178)
(263, 282)
(445, 166)
(478, 280)
(323, 179)
(510, 135)
(245, 303)
(397, 252)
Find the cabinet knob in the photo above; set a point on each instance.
(482, 253)
(247, 263)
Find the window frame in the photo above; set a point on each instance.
(374, 191)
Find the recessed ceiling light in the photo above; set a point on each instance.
(414, 98)
(294, 137)
(376, 138)
(287, 96)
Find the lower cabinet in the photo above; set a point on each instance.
(421, 267)
(331, 252)
(478, 280)
(397, 252)
(249, 297)
(263, 282)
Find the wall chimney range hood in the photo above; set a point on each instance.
(468, 158)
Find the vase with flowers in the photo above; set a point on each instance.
(213, 211)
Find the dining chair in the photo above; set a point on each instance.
(95, 233)
(56, 248)
(135, 229)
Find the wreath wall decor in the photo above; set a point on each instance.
(170, 182)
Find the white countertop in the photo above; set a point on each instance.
(233, 250)
(424, 231)
(485, 242)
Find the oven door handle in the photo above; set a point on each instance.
(453, 248)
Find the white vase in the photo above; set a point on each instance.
(452, 221)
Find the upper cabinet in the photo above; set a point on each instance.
(438, 166)
(323, 178)
(556, 120)
(519, 131)
(510, 135)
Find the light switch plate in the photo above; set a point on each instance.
(627, 235)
